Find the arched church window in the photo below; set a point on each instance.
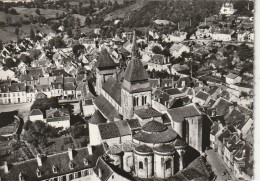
(168, 164)
(137, 101)
(134, 102)
(141, 165)
(145, 99)
(142, 100)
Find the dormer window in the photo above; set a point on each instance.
(54, 169)
(71, 165)
(38, 172)
(85, 162)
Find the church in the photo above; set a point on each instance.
(136, 137)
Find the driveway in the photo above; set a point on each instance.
(217, 165)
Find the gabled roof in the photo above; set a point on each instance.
(147, 113)
(202, 95)
(178, 114)
(222, 106)
(113, 88)
(232, 76)
(60, 161)
(35, 112)
(97, 118)
(135, 71)
(104, 60)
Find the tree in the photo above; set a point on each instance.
(69, 32)
(88, 21)
(13, 11)
(32, 34)
(157, 50)
(37, 11)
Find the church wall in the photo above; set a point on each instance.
(117, 160)
(195, 132)
(143, 165)
(128, 161)
(161, 168)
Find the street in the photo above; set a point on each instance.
(23, 109)
(217, 165)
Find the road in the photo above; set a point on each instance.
(23, 109)
(217, 165)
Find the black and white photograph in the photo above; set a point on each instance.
(142, 90)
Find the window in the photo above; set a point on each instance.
(141, 165)
(54, 169)
(137, 101)
(168, 164)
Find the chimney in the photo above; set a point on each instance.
(99, 173)
(90, 151)
(6, 170)
(70, 152)
(213, 113)
(39, 160)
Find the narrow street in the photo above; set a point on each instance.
(217, 166)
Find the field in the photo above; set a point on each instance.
(7, 33)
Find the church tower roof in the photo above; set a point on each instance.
(135, 70)
(104, 60)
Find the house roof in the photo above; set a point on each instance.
(146, 113)
(102, 166)
(97, 118)
(108, 131)
(154, 126)
(123, 127)
(143, 149)
(165, 136)
(178, 114)
(105, 108)
(202, 95)
(60, 161)
(164, 148)
(104, 60)
(68, 86)
(113, 88)
(35, 112)
(172, 91)
(222, 106)
(133, 123)
(232, 76)
(135, 71)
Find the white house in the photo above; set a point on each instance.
(177, 49)
(35, 115)
(222, 35)
(58, 117)
(233, 78)
(227, 9)
(159, 63)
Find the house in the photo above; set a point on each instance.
(176, 37)
(36, 115)
(58, 117)
(176, 50)
(233, 78)
(159, 63)
(69, 165)
(106, 172)
(13, 93)
(227, 9)
(201, 98)
(222, 35)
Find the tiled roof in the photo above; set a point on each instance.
(60, 161)
(135, 71)
(165, 148)
(235, 118)
(165, 136)
(97, 118)
(105, 108)
(68, 86)
(102, 166)
(69, 79)
(123, 127)
(57, 112)
(222, 106)
(147, 113)
(143, 149)
(134, 123)
(154, 126)
(213, 90)
(178, 114)
(180, 143)
(202, 95)
(232, 76)
(14, 87)
(113, 88)
(104, 60)
(35, 112)
(172, 91)
(108, 130)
